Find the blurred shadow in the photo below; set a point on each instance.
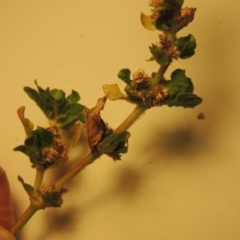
(127, 183)
(183, 140)
(59, 220)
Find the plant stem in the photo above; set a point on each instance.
(159, 75)
(134, 115)
(137, 112)
(21, 222)
(125, 125)
(39, 179)
(76, 169)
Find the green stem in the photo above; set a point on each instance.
(30, 211)
(134, 115)
(21, 222)
(159, 75)
(126, 124)
(39, 179)
(76, 169)
(137, 112)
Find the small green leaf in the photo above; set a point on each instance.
(44, 137)
(70, 114)
(58, 95)
(28, 188)
(129, 90)
(180, 91)
(178, 84)
(115, 141)
(162, 24)
(186, 100)
(158, 55)
(113, 92)
(74, 97)
(124, 75)
(147, 22)
(33, 146)
(187, 46)
(55, 105)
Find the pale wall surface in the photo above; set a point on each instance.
(181, 177)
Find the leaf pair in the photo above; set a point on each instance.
(60, 110)
(180, 91)
(41, 149)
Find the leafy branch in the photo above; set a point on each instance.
(45, 147)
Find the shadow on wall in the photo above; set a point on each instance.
(178, 141)
(60, 221)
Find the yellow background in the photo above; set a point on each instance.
(180, 179)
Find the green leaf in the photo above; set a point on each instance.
(147, 22)
(129, 90)
(162, 24)
(70, 114)
(187, 46)
(55, 105)
(58, 95)
(33, 146)
(28, 188)
(124, 75)
(186, 100)
(44, 137)
(74, 97)
(159, 56)
(114, 142)
(113, 92)
(180, 91)
(178, 84)
(29, 151)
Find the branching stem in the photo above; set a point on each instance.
(26, 216)
(39, 179)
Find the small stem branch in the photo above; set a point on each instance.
(39, 179)
(159, 75)
(137, 112)
(21, 222)
(126, 124)
(76, 169)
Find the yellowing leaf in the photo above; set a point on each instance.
(113, 92)
(27, 124)
(94, 124)
(147, 22)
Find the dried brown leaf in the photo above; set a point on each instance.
(95, 126)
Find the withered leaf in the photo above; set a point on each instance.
(27, 124)
(95, 126)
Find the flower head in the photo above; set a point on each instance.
(186, 16)
(140, 80)
(166, 45)
(52, 196)
(155, 3)
(57, 150)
